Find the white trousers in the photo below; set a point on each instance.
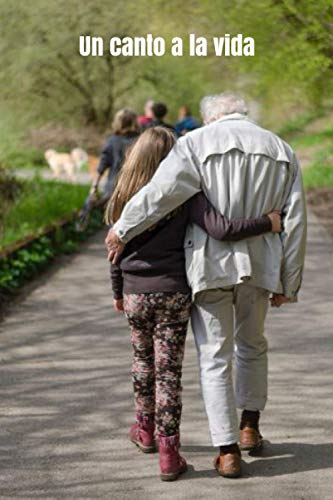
(227, 322)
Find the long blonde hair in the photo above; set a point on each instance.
(141, 162)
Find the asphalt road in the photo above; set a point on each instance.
(66, 402)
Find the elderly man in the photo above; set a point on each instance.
(245, 171)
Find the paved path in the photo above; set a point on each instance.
(66, 399)
(82, 177)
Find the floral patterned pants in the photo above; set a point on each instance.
(158, 323)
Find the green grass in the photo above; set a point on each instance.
(40, 204)
(316, 146)
(24, 158)
(312, 139)
(14, 153)
(317, 176)
(320, 171)
(297, 125)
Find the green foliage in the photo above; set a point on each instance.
(25, 263)
(40, 204)
(307, 139)
(314, 145)
(24, 157)
(31, 260)
(292, 69)
(10, 189)
(13, 150)
(48, 77)
(320, 172)
(44, 78)
(317, 176)
(291, 128)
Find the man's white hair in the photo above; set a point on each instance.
(214, 106)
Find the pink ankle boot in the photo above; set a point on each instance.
(142, 433)
(172, 464)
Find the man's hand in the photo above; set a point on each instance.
(278, 299)
(114, 245)
(118, 304)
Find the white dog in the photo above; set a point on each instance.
(79, 157)
(67, 163)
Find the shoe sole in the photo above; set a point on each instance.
(245, 447)
(144, 449)
(174, 475)
(229, 476)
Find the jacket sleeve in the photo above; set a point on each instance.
(219, 227)
(106, 158)
(176, 180)
(293, 236)
(116, 281)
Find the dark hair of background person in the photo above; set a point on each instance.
(159, 110)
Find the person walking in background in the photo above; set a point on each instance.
(149, 283)
(186, 122)
(144, 120)
(125, 130)
(160, 111)
(245, 171)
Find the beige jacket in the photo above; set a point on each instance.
(245, 171)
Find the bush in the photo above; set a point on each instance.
(297, 125)
(23, 145)
(30, 260)
(24, 158)
(318, 176)
(40, 204)
(42, 213)
(10, 189)
(24, 263)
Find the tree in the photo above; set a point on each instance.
(45, 78)
(45, 71)
(293, 67)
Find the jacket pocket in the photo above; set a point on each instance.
(188, 250)
(188, 243)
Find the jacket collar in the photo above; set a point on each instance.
(235, 116)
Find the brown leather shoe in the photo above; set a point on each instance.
(250, 439)
(228, 465)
